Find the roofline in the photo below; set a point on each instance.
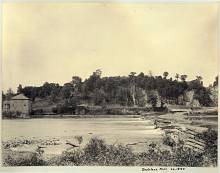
(20, 99)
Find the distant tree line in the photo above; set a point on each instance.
(128, 90)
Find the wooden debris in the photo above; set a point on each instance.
(73, 145)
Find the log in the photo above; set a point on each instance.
(39, 147)
(73, 145)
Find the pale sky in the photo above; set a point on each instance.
(52, 42)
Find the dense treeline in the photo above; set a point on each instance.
(128, 90)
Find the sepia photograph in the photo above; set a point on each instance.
(109, 84)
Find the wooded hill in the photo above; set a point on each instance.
(132, 90)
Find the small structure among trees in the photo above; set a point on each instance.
(18, 106)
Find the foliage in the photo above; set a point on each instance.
(98, 153)
(19, 89)
(13, 158)
(3, 96)
(203, 97)
(165, 74)
(167, 140)
(187, 157)
(211, 139)
(79, 139)
(153, 100)
(154, 156)
(183, 77)
(9, 94)
(131, 90)
(216, 81)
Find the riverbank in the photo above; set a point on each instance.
(66, 116)
(99, 153)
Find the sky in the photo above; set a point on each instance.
(54, 41)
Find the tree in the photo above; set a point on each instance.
(94, 82)
(216, 81)
(126, 91)
(141, 75)
(141, 97)
(150, 73)
(132, 74)
(132, 86)
(9, 94)
(199, 79)
(203, 96)
(19, 89)
(3, 96)
(55, 92)
(32, 92)
(98, 73)
(165, 74)
(183, 77)
(76, 80)
(77, 84)
(73, 101)
(66, 91)
(177, 76)
(152, 99)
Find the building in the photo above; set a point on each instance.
(18, 106)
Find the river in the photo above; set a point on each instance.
(112, 130)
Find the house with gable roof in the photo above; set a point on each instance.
(19, 106)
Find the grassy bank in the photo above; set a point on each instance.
(98, 153)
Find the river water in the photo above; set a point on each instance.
(112, 130)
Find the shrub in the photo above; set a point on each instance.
(79, 139)
(70, 158)
(154, 157)
(187, 157)
(167, 140)
(15, 158)
(15, 143)
(211, 153)
(97, 152)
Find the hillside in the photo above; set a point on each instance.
(123, 91)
